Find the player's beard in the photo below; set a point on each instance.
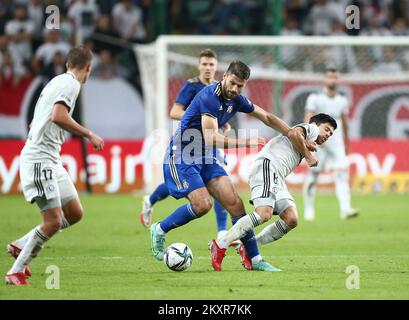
(228, 94)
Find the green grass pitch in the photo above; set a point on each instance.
(107, 255)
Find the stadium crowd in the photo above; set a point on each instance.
(110, 28)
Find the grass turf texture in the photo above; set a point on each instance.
(107, 255)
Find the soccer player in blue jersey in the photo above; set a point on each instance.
(207, 68)
(191, 169)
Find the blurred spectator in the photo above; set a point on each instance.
(11, 71)
(365, 59)
(264, 65)
(316, 60)
(400, 28)
(36, 15)
(343, 56)
(45, 53)
(320, 17)
(20, 31)
(128, 21)
(104, 36)
(375, 28)
(107, 68)
(389, 63)
(289, 53)
(230, 17)
(297, 10)
(405, 60)
(56, 66)
(84, 15)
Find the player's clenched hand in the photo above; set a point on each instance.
(311, 161)
(96, 141)
(226, 127)
(311, 146)
(255, 142)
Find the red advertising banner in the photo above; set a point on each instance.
(376, 165)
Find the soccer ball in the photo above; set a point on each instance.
(178, 257)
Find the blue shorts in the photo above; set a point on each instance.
(181, 179)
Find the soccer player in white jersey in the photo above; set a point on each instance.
(269, 193)
(43, 178)
(332, 156)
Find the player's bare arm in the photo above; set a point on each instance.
(61, 117)
(270, 120)
(177, 111)
(345, 132)
(297, 137)
(213, 138)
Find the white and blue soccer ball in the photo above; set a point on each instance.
(178, 257)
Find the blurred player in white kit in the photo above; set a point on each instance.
(43, 178)
(333, 156)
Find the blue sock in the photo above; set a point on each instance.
(179, 217)
(221, 216)
(249, 240)
(160, 193)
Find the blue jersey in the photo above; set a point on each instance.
(189, 90)
(208, 101)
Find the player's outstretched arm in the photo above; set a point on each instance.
(213, 138)
(177, 111)
(61, 117)
(270, 120)
(297, 137)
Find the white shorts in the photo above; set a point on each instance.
(268, 188)
(46, 183)
(331, 158)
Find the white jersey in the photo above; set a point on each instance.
(45, 137)
(281, 152)
(336, 107)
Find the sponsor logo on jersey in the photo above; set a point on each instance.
(229, 109)
(185, 184)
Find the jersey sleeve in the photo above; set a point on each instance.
(69, 95)
(311, 131)
(185, 95)
(245, 105)
(310, 105)
(209, 104)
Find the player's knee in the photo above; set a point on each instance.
(202, 207)
(77, 215)
(265, 214)
(291, 221)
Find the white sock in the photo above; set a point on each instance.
(23, 240)
(159, 230)
(240, 229)
(309, 192)
(343, 191)
(221, 234)
(30, 251)
(256, 259)
(273, 232)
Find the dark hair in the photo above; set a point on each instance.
(323, 118)
(239, 69)
(208, 53)
(79, 57)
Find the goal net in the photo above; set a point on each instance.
(284, 71)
